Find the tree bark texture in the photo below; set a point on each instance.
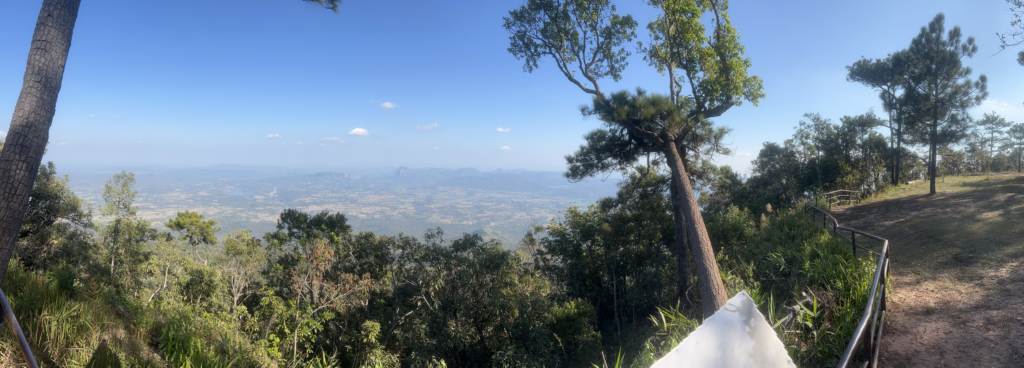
(932, 156)
(712, 290)
(33, 114)
(899, 157)
(682, 255)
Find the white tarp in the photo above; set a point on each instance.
(736, 336)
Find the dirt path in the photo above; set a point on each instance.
(957, 264)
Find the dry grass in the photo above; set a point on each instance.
(958, 283)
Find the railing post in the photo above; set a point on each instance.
(869, 344)
(853, 238)
(19, 336)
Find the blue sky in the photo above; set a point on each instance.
(195, 83)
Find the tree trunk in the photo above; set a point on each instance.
(33, 114)
(682, 256)
(932, 157)
(899, 155)
(712, 291)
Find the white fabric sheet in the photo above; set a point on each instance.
(736, 336)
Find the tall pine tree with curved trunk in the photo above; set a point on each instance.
(940, 88)
(585, 39)
(33, 114)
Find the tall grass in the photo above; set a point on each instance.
(64, 330)
(65, 326)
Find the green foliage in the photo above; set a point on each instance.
(64, 329)
(183, 346)
(203, 288)
(481, 307)
(731, 228)
(822, 156)
(573, 33)
(125, 234)
(242, 259)
(57, 224)
(193, 229)
(790, 257)
(573, 328)
(941, 87)
(592, 282)
(710, 61)
(672, 325)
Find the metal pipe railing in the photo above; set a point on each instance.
(867, 336)
(12, 321)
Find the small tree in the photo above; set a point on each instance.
(1015, 142)
(319, 291)
(993, 129)
(125, 233)
(193, 229)
(241, 263)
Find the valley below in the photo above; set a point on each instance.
(500, 204)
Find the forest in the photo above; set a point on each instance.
(617, 283)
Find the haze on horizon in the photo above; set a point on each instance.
(386, 84)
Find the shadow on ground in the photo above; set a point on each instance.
(957, 260)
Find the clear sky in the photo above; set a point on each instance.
(424, 83)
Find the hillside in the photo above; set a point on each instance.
(957, 275)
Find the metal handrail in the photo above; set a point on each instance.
(868, 333)
(12, 321)
(837, 197)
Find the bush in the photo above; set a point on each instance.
(792, 259)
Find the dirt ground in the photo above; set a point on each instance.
(957, 265)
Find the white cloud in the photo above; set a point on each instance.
(504, 130)
(333, 139)
(437, 148)
(273, 136)
(389, 105)
(428, 127)
(140, 141)
(321, 144)
(506, 148)
(743, 154)
(92, 115)
(992, 104)
(62, 144)
(299, 143)
(359, 131)
(3, 133)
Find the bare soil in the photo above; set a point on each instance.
(957, 266)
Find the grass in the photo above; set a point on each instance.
(64, 330)
(956, 260)
(65, 326)
(973, 222)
